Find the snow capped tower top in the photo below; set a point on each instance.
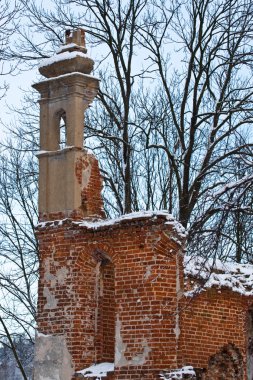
(71, 57)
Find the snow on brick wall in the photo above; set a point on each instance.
(214, 273)
(184, 373)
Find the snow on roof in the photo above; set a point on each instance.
(100, 223)
(62, 57)
(66, 148)
(214, 273)
(69, 75)
(97, 370)
(170, 220)
(178, 374)
(67, 46)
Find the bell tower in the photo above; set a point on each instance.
(109, 291)
(69, 179)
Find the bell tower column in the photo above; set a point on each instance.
(69, 179)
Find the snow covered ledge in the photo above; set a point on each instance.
(97, 224)
(96, 371)
(202, 274)
(183, 373)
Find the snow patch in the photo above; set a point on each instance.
(67, 147)
(97, 370)
(177, 227)
(88, 150)
(67, 46)
(52, 223)
(178, 373)
(100, 223)
(66, 55)
(68, 75)
(210, 273)
(40, 152)
(232, 185)
(136, 215)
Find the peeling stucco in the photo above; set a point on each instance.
(61, 275)
(121, 347)
(53, 280)
(86, 172)
(148, 272)
(52, 358)
(51, 300)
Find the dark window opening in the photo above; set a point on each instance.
(104, 311)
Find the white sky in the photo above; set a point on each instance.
(14, 96)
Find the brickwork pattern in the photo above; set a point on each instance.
(88, 176)
(128, 278)
(73, 270)
(209, 321)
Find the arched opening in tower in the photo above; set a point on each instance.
(63, 131)
(60, 130)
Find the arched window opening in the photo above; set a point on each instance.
(250, 344)
(104, 310)
(60, 129)
(63, 131)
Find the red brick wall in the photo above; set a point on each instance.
(210, 321)
(92, 203)
(128, 278)
(144, 261)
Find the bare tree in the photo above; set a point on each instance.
(18, 245)
(21, 350)
(176, 92)
(209, 103)
(8, 16)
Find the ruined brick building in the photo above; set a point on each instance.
(114, 300)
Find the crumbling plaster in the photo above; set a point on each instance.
(52, 358)
(121, 348)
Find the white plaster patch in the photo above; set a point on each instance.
(49, 277)
(53, 280)
(86, 175)
(177, 328)
(52, 358)
(141, 358)
(70, 291)
(61, 275)
(148, 272)
(120, 349)
(51, 300)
